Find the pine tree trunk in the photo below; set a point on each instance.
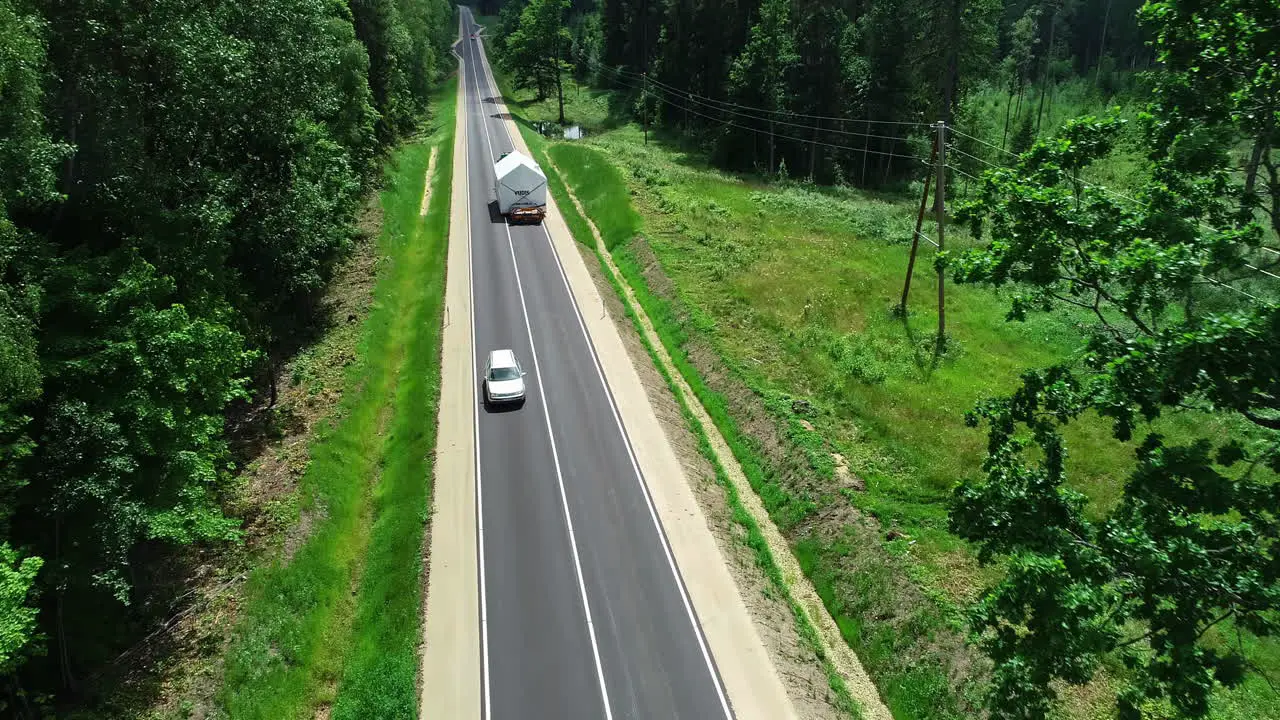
(1008, 105)
(866, 147)
(273, 389)
(1048, 60)
(559, 85)
(953, 63)
(1249, 200)
(64, 654)
(1251, 170)
(771, 147)
(813, 150)
(1102, 44)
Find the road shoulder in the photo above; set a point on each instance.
(451, 685)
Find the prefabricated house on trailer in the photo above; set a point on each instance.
(521, 187)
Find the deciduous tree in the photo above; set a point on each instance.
(537, 52)
(1192, 550)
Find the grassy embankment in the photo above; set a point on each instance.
(336, 624)
(767, 294)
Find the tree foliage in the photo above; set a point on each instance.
(1190, 556)
(177, 182)
(537, 48)
(889, 60)
(763, 73)
(27, 158)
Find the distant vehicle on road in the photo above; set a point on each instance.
(503, 378)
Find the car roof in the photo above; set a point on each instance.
(502, 358)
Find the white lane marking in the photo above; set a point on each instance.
(635, 465)
(555, 457)
(475, 409)
(493, 83)
(644, 488)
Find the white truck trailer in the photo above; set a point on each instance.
(521, 187)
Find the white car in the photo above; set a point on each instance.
(503, 378)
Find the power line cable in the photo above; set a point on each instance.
(853, 133)
(619, 71)
(780, 136)
(980, 141)
(664, 89)
(662, 97)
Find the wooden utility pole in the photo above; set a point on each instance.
(915, 238)
(770, 147)
(644, 104)
(644, 66)
(940, 215)
(813, 149)
(866, 142)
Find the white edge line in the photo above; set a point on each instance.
(644, 488)
(475, 409)
(635, 465)
(555, 457)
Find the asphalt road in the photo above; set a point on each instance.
(582, 611)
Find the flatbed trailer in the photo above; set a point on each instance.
(527, 214)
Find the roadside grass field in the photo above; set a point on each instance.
(336, 624)
(776, 300)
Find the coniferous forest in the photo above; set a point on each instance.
(831, 73)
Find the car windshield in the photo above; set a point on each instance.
(504, 373)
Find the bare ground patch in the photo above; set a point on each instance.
(426, 187)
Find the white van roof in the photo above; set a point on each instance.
(502, 358)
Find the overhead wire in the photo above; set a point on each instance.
(980, 141)
(1121, 196)
(619, 71)
(781, 136)
(962, 172)
(662, 90)
(718, 105)
(954, 149)
(836, 131)
(663, 97)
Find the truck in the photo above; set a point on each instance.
(521, 187)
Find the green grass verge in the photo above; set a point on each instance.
(339, 618)
(604, 198)
(380, 676)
